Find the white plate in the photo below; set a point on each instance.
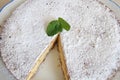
(50, 68)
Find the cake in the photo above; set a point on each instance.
(89, 51)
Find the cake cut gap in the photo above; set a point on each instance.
(51, 67)
(41, 58)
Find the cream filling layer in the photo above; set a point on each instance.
(62, 59)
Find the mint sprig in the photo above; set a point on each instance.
(57, 26)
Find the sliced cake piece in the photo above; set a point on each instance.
(91, 49)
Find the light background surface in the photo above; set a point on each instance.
(50, 69)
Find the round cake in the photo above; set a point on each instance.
(89, 51)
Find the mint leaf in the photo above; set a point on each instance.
(53, 28)
(64, 24)
(57, 26)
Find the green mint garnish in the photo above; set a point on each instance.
(64, 24)
(57, 26)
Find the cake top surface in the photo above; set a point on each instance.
(93, 37)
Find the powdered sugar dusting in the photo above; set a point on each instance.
(92, 45)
